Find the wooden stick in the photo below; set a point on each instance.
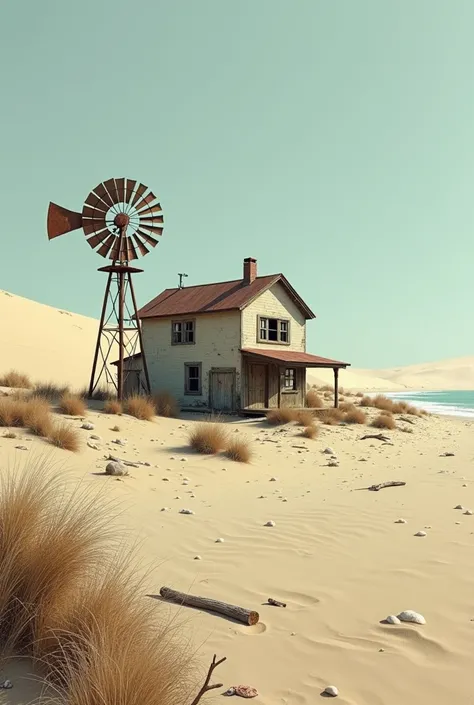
(377, 436)
(276, 603)
(392, 483)
(240, 614)
(206, 687)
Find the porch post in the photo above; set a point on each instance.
(336, 387)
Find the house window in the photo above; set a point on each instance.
(274, 330)
(192, 378)
(290, 379)
(182, 332)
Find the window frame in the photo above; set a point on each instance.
(187, 391)
(279, 321)
(182, 322)
(294, 389)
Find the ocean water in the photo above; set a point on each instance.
(458, 402)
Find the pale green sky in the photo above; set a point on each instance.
(331, 140)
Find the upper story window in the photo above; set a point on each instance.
(183, 332)
(273, 330)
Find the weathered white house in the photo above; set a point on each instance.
(228, 346)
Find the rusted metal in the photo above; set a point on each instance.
(153, 229)
(102, 192)
(121, 220)
(150, 211)
(61, 221)
(120, 186)
(139, 193)
(96, 203)
(146, 200)
(143, 250)
(104, 249)
(148, 238)
(92, 226)
(131, 183)
(152, 219)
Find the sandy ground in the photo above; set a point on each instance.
(335, 555)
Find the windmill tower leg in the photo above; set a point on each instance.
(120, 328)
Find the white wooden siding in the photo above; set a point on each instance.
(217, 344)
(274, 303)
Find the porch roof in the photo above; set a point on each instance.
(291, 357)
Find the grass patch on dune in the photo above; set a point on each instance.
(64, 436)
(15, 380)
(208, 437)
(355, 416)
(140, 407)
(304, 417)
(166, 405)
(284, 415)
(113, 406)
(239, 449)
(331, 416)
(72, 405)
(50, 391)
(313, 400)
(311, 431)
(384, 420)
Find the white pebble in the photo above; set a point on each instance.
(185, 482)
(219, 540)
(329, 451)
(411, 616)
(331, 690)
(6, 684)
(270, 523)
(401, 521)
(391, 619)
(420, 533)
(186, 511)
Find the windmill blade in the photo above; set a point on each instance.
(92, 226)
(90, 212)
(116, 252)
(111, 187)
(153, 229)
(131, 251)
(102, 192)
(152, 209)
(61, 221)
(152, 219)
(131, 183)
(148, 238)
(98, 238)
(139, 193)
(120, 184)
(149, 198)
(94, 201)
(143, 250)
(103, 250)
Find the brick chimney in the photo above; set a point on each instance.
(250, 270)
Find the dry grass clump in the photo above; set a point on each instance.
(331, 417)
(37, 416)
(284, 415)
(208, 437)
(383, 403)
(304, 418)
(113, 406)
(355, 416)
(140, 407)
(166, 405)
(50, 391)
(359, 394)
(65, 436)
(10, 411)
(384, 420)
(366, 401)
(310, 431)
(16, 380)
(326, 388)
(313, 400)
(347, 406)
(239, 449)
(72, 405)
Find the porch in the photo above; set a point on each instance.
(277, 378)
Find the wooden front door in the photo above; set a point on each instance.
(222, 390)
(257, 386)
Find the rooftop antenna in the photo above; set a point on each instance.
(118, 217)
(181, 276)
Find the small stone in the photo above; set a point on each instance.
(401, 521)
(391, 619)
(420, 533)
(270, 523)
(184, 460)
(95, 438)
(94, 446)
(114, 468)
(186, 511)
(273, 479)
(328, 451)
(165, 479)
(21, 447)
(459, 506)
(164, 509)
(469, 512)
(331, 690)
(411, 616)
(185, 482)
(381, 651)
(88, 426)
(219, 540)
(333, 464)
(197, 558)
(6, 685)
(120, 441)
(284, 499)
(465, 484)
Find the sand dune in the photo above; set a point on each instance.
(46, 343)
(455, 373)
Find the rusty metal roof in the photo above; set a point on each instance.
(220, 296)
(291, 357)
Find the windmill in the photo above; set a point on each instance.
(119, 218)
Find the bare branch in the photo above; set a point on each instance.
(207, 683)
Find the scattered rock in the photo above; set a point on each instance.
(420, 533)
(88, 426)
(164, 509)
(411, 616)
(391, 619)
(446, 455)
(197, 558)
(401, 521)
(331, 690)
(333, 464)
(95, 438)
(219, 540)
(6, 685)
(114, 468)
(469, 512)
(328, 451)
(165, 479)
(459, 506)
(94, 446)
(270, 523)
(273, 479)
(120, 441)
(21, 447)
(186, 511)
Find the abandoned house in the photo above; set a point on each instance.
(229, 346)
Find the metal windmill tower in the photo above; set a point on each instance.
(118, 217)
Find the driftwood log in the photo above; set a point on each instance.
(377, 436)
(391, 483)
(276, 603)
(240, 614)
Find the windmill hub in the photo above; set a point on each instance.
(121, 220)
